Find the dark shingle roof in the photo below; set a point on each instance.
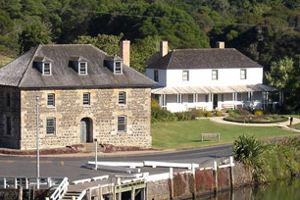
(21, 73)
(203, 59)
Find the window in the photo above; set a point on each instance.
(8, 100)
(156, 78)
(206, 98)
(51, 126)
(122, 98)
(185, 75)
(47, 69)
(86, 98)
(51, 100)
(8, 126)
(118, 67)
(243, 74)
(82, 68)
(190, 98)
(122, 123)
(222, 97)
(215, 74)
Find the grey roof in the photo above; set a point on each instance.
(21, 73)
(203, 59)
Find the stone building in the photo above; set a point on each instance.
(81, 93)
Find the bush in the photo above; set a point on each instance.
(218, 113)
(182, 116)
(259, 113)
(247, 149)
(269, 162)
(160, 115)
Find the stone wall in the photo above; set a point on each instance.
(13, 111)
(103, 112)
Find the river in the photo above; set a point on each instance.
(281, 190)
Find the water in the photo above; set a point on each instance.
(281, 190)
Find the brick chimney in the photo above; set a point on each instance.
(221, 45)
(125, 52)
(164, 48)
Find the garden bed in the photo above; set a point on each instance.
(244, 116)
(259, 120)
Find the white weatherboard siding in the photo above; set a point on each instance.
(203, 77)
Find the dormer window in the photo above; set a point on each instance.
(118, 67)
(82, 68)
(47, 69)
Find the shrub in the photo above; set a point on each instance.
(182, 116)
(247, 149)
(258, 113)
(208, 114)
(219, 113)
(160, 115)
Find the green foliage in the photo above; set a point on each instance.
(34, 34)
(247, 150)
(107, 43)
(278, 161)
(160, 115)
(281, 73)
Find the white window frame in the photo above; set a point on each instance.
(243, 74)
(53, 131)
(50, 69)
(53, 100)
(215, 74)
(85, 71)
(122, 98)
(86, 102)
(185, 75)
(120, 71)
(179, 98)
(124, 124)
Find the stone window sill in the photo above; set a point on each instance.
(51, 107)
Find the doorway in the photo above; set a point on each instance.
(215, 101)
(86, 130)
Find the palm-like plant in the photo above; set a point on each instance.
(247, 149)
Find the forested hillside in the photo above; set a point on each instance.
(266, 30)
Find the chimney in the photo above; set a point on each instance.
(125, 52)
(221, 45)
(164, 48)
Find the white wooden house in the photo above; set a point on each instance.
(212, 78)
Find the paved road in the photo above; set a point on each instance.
(72, 166)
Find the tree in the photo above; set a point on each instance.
(34, 34)
(107, 43)
(142, 50)
(281, 74)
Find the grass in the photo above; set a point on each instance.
(297, 126)
(187, 134)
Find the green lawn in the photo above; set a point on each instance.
(187, 134)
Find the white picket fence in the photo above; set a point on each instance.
(28, 182)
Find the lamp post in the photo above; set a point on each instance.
(96, 153)
(37, 144)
